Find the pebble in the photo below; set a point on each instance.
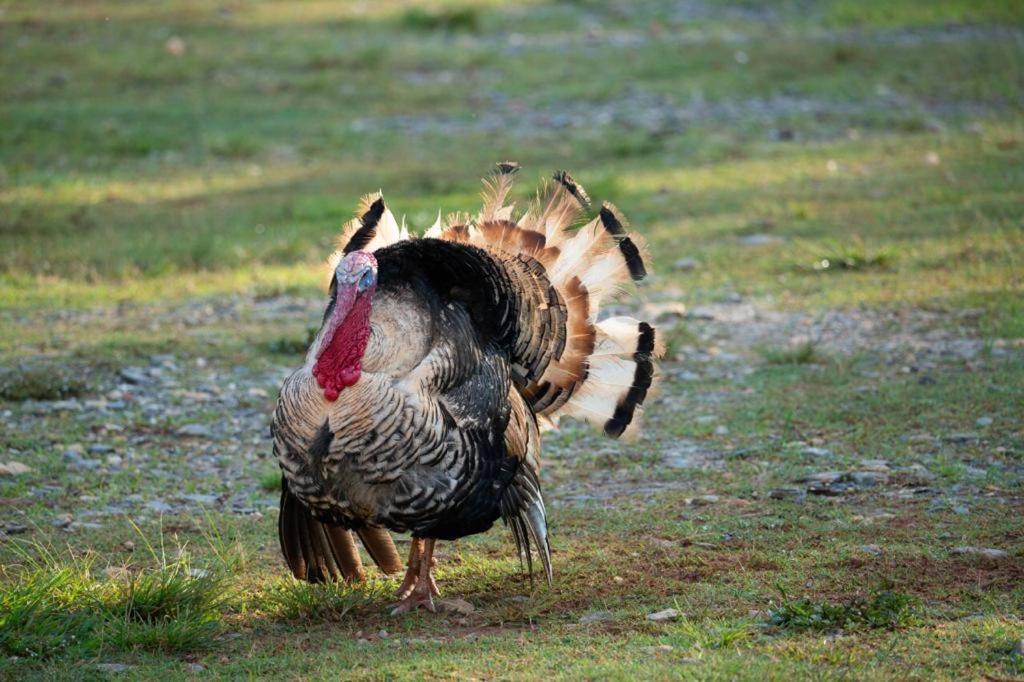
(195, 668)
(100, 449)
(657, 649)
(816, 452)
(871, 549)
(685, 264)
(788, 493)
(134, 375)
(196, 431)
(759, 239)
(823, 477)
(663, 616)
(158, 506)
(987, 552)
(14, 469)
(962, 438)
(983, 421)
(596, 617)
(721, 430)
(867, 479)
(113, 667)
(458, 606)
(1018, 649)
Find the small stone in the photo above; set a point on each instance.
(134, 375)
(100, 449)
(759, 239)
(987, 552)
(14, 469)
(867, 479)
(816, 452)
(983, 421)
(195, 668)
(113, 667)
(962, 438)
(63, 521)
(14, 528)
(871, 549)
(128, 545)
(596, 617)
(663, 616)
(383, 634)
(704, 500)
(195, 431)
(158, 506)
(721, 430)
(1018, 649)
(875, 465)
(657, 649)
(458, 606)
(685, 264)
(823, 477)
(787, 493)
(175, 46)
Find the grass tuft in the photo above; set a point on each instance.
(453, 19)
(836, 256)
(801, 354)
(270, 480)
(294, 600)
(39, 381)
(882, 609)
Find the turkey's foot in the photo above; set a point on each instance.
(418, 589)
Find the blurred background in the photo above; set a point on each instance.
(153, 150)
(833, 192)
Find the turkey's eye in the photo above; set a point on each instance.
(366, 280)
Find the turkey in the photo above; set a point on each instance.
(439, 361)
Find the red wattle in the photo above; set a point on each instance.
(339, 365)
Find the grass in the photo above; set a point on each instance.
(883, 608)
(173, 175)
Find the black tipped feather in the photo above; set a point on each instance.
(572, 187)
(615, 224)
(642, 378)
(365, 234)
(507, 167)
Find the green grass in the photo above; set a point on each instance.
(173, 175)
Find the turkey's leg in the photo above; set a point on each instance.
(412, 569)
(424, 587)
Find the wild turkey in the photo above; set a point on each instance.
(419, 406)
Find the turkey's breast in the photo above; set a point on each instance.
(417, 444)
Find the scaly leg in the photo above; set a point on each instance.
(412, 569)
(418, 573)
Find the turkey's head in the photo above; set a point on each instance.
(337, 352)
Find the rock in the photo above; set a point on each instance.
(100, 449)
(134, 375)
(1018, 649)
(159, 506)
(14, 469)
(14, 528)
(195, 668)
(75, 459)
(113, 667)
(657, 649)
(962, 438)
(867, 479)
(686, 264)
(823, 477)
(917, 474)
(759, 239)
(788, 493)
(457, 606)
(871, 549)
(196, 431)
(198, 498)
(987, 552)
(175, 46)
(63, 521)
(983, 421)
(596, 617)
(704, 500)
(875, 465)
(815, 452)
(663, 616)
(721, 430)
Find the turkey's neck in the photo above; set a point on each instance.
(339, 363)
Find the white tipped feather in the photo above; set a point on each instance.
(435, 230)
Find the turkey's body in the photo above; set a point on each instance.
(474, 333)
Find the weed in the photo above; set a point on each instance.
(41, 381)
(454, 19)
(294, 600)
(882, 609)
(801, 354)
(270, 480)
(835, 256)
